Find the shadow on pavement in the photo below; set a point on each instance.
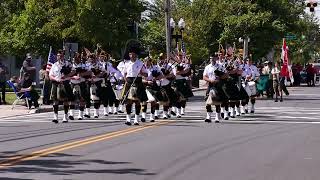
(54, 166)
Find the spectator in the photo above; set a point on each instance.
(45, 84)
(26, 85)
(311, 71)
(284, 75)
(267, 71)
(275, 72)
(3, 78)
(27, 67)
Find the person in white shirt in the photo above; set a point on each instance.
(153, 85)
(209, 75)
(78, 86)
(109, 97)
(181, 86)
(165, 83)
(60, 74)
(276, 81)
(135, 91)
(117, 82)
(95, 82)
(252, 74)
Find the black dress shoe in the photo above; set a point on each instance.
(120, 112)
(86, 116)
(173, 113)
(128, 123)
(96, 117)
(115, 113)
(156, 117)
(110, 112)
(152, 121)
(246, 111)
(232, 116)
(79, 118)
(55, 121)
(179, 116)
(143, 120)
(281, 100)
(136, 124)
(165, 118)
(252, 112)
(216, 121)
(276, 100)
(71, 117)
(227, 118)
(207, 121)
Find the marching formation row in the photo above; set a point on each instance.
(95, 80)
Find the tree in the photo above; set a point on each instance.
(36, 25)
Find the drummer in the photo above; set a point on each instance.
(252, 75)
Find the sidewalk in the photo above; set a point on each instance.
(19, 110)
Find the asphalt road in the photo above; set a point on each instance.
(280, 142)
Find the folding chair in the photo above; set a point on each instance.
(25, 96)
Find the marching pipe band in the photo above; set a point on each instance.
(231, 85)
(96, 79)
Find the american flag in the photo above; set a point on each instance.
(51, 59)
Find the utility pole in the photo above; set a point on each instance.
(168, 29)
(246, 47)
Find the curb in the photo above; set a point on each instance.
(43, 110)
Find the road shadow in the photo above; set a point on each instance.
(51, 165)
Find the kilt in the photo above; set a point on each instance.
(231, 90)
(83, 91)
(243, 95)
(99, 92)
(217, 100)
(221, 93)
(107, 93)
(182, 88)
(61, 91)
(172, 97)
(157, 93)
(141, 94)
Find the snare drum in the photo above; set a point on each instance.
(253, 88)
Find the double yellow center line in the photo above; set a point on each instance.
(44, 152)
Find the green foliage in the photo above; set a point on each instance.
(33, 25)
(210, 22)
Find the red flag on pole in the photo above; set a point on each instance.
(285, 60)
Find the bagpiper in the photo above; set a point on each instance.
(78, 86)
(134, 91)
(60, 74)
(214, 94)
(95, 83)
(180, 85)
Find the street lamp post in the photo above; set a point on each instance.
(245, 41)
(168, 38)
(179, 34)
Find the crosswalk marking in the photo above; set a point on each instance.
(264, 114)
